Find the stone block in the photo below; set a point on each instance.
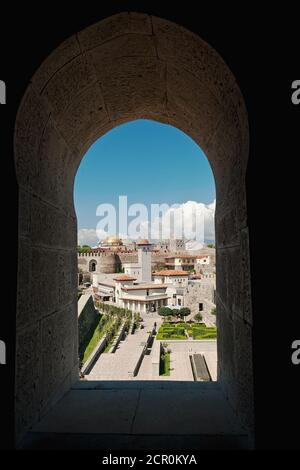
(244, 372)
(226, 348)
(246, 277)
(189, 52)
(67, 83)
(24, 213)
(43, 295)
(189, 102)
(229, 286)
(25, 315)
(57, 351)
(234, 277)
(226, 228)
(221, 278)
(114, 26)
(63, 54)
(31, 121)
(133, 87)
(53, 158)
(128, 45)
(86, 113)
(28, 374)
(67, 283)
(51, 227)
(223, 151)
(95, 131)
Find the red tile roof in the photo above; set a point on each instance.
(124, 277)
(149, 299)
(196, 276)
(143, 242)
(170, 272)
(145, 287)
(183, 256)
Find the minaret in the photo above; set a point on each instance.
(144, 260)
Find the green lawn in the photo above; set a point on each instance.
(165, 362)
(109, 345)
(177, 331)
(97, 335)
(101, 327)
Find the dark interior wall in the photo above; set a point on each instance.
(264, 63)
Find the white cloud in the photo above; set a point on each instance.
(191, 220)
(177, 220)
(87, 236)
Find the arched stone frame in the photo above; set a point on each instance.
(92, 263)
(125, 67)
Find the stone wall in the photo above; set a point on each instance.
(87, 315)
(199, 292)
(109, 263)
(106, 263)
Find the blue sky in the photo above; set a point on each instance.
(145, 160)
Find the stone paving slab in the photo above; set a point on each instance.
(183, 412)
(89, 411)
(138, 411)
(180, 366)
(145, 385)
(212, 363)
(179, 443)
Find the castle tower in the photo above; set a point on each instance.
(144, 249)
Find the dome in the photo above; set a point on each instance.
(143, 242)
(113, 241)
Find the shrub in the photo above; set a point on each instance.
(198, 317)
(165, 311)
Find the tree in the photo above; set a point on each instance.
(198, 317)
(211, 245)
(214, 311)
(183, 312)
(83, 249)
(165, 312)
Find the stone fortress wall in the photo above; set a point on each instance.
(105, 262)
(108, 262)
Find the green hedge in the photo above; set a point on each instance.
(194, 330)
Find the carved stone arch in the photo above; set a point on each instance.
(126, 67)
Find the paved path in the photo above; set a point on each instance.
(121, 364)
(145, 372)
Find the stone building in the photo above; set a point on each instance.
(186, 262)
(176, 244)
(99, 262)
(142, 298)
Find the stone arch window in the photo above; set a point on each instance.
(92, 266)
(126, 67)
